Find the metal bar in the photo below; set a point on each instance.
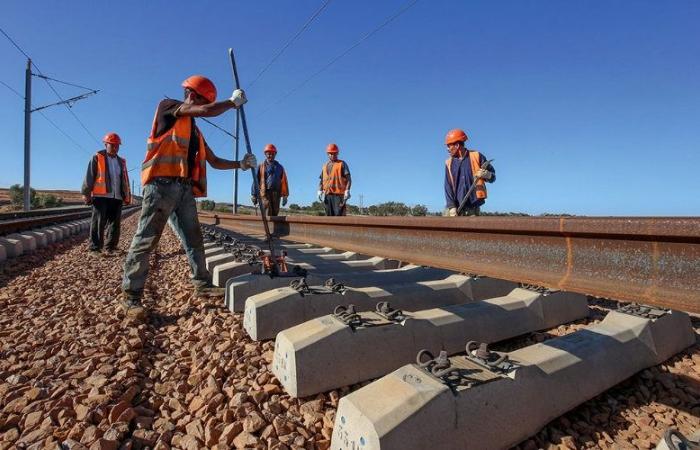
(653, 260)
(27, 132)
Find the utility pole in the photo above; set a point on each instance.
(28, 124)
(362, 197)
(27, 131)
(235, 172)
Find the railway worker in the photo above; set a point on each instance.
(334, 184)
(273, 183)
(461, 169)
(106, 188)
(173, 174)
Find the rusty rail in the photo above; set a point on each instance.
(648, 260)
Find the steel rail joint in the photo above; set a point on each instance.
(651, 260)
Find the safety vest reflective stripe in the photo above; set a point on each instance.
(335, 182)
(164, 160)
(167, 156)
(475, 164)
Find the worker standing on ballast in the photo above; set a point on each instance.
(106, 188)
(462, 169)
(334, 184)
(273, 183)
(173, 173)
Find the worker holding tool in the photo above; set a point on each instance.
(106, 188)
(465, 173)
(334, 184)
(273, 183)
(173, 174)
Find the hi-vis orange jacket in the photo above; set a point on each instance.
(334, 182)
(474, 162)
(167, 156)
(97, 180)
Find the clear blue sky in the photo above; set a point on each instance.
(589, 108)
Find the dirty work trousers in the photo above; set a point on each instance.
(335, 206)
(106, 213)
(161, 198)
(272, 203)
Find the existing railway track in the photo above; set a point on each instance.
(197, 376)
(316, 330)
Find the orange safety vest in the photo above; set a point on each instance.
(166, 156)
(474, 158)
(100, 186)
(284, 188)
(335, 182)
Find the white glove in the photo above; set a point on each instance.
(452, 212)
(346, 195)
(238, 98)
(484, 174)
(284, 201)
(320, 196)
(248, 161)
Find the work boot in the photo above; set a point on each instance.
(209, 290)
(132, 307)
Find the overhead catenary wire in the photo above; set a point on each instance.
(291, 41)
(386, 22)
(46, 79)
(80, 147)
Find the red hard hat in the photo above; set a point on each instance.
(202, 86)
(332, 148)
(455, 135)
(112, 138)
(270, 148)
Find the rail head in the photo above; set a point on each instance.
(653, 260)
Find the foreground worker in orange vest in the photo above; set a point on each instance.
(173, 173)
(335, 182)
(106, 187)
(462, 168)
(273, 183)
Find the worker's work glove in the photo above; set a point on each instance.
(452, 212)
(87, 199)
(284, 201)
(238, 98)
(320, 196)
(254, 200)
(346, 195)
(248, 161)
(484, 174)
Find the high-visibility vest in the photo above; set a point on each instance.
(335, 182)
(100, 186)
(166, 156)
(474, 161)
(284, 186)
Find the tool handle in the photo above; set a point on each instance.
(240, 108)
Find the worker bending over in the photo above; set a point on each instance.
(106, 188)
(334, 184)
(462, 169)
(273, 183)
(173, 173)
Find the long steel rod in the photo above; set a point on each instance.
(652, 260)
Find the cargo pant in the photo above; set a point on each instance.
(162, 198)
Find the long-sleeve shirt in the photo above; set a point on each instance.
(462, 174)
(117, 185)
(272, 178)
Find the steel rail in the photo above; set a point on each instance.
(27, 223)
(651, 260)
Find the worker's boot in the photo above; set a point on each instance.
(132, 307)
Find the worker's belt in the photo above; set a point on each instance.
(171, 180)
